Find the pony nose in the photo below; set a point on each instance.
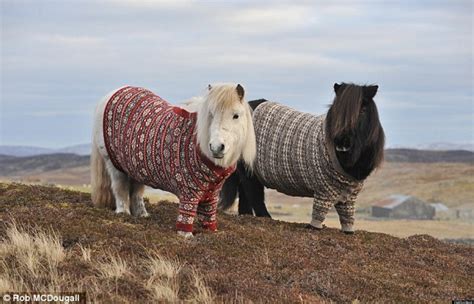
(220, 148)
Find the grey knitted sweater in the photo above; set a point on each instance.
(293, 158)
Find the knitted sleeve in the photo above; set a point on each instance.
(187, 212)
(346, 209)
(207, 211)
(321, 206)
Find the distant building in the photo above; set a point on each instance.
(403, 207)
(442, 211)
(439, 207)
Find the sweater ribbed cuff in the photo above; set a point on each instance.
(184, 227)
(211, 226)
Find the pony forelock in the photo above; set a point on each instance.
(222, 96)
(344, 112)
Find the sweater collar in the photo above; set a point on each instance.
(218, 170)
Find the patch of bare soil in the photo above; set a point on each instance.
(252, 259)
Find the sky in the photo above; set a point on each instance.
(58, 58)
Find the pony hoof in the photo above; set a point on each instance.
(143, 214)
(311, 227)
(318, 225)
(122, 211)
(347, 229)
(186, 235)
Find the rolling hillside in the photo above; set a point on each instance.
(30, 165)
(429, 156)
(247, 260)
(435, 176)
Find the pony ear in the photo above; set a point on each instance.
(337, 87)
(249, 152)
(370, 91)
(209, 87)
(240, 91)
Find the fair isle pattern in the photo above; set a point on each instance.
(154, 143)
(293, 158)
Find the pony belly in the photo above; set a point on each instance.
(285, 185)
(295, 192)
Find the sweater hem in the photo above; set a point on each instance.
(211, 226)
(184, 227)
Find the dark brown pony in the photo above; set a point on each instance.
(353, 130)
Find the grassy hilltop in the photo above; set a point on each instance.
(121, 259)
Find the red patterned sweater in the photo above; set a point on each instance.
(154, 143)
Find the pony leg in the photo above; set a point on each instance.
(187, 213)
(320, 209)
(120, 188)
(244, 204)
(207, 214)
(346, 212)
(255, 195)
(137, 206)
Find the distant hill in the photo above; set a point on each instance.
(83, 149)
(445, 146)
(71, 164)
(437, 146)
(428, 156)
(18, 166)
(21, 151)
(24, 150)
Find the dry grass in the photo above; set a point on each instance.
(450, 183)
(164, 280)
(201, 293)
(114, 267)
(31, 261)
(86, 253)
(167, 275)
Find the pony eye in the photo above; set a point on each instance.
(236, 116)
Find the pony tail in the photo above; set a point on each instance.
(249, 151)
(229, 191)
(101, 193)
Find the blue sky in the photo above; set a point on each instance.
(59, 57)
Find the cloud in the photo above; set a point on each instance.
(59, 58)
(270, 19)
(72, 41)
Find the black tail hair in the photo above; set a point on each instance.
(229, 191)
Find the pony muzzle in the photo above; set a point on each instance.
(217, 150)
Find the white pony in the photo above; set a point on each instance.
(140, 139)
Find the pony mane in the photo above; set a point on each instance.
(192, 104)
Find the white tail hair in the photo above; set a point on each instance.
(101, 193)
